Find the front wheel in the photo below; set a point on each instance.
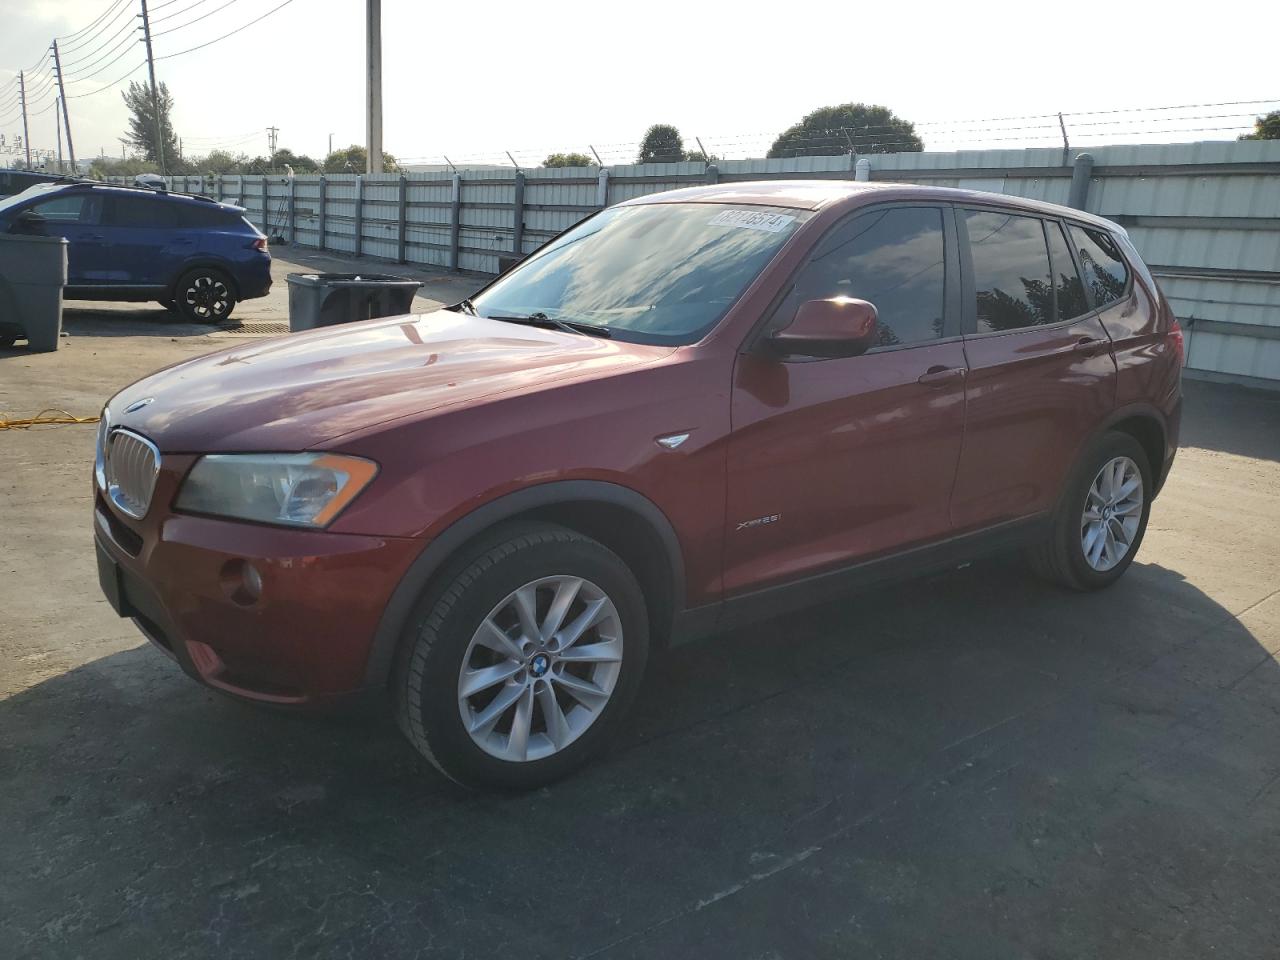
(1102, 518)
(527, 660)
(204, 295)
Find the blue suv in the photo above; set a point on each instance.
(189, 253)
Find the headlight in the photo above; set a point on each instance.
(298, 489)
(100, 452)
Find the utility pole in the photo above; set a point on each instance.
(57, 128)
(373, 85)
(26, 137)
(273, 134)
(66, 117)
(155, 91)
(330, 153)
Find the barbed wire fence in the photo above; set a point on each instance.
(1066, 130)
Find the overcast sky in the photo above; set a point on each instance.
(472, 80)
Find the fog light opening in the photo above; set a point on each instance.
(241, 582)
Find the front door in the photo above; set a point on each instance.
(77, 217)
(1041, 373)
(837, 460)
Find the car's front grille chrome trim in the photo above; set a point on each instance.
(132, 465)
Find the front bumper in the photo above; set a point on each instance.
(304, 639)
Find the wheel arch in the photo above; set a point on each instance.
(1146, 425)
(622, 519)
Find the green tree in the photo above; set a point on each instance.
(300, 163)
(568, 160)
(219, 162)
(847, 128)
(1265, 128)
(104, 167)
(699, 156)
(142, 124)
(661, 144)
(354, 158)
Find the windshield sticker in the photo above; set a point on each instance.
(752, 220)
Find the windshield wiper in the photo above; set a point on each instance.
(465, 306)
(540, 319)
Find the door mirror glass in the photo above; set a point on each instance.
(838, 327)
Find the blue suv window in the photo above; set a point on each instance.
(141, 212)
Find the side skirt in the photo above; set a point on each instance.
(757, 605)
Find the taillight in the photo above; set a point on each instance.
(1179, 342)
(260, 243)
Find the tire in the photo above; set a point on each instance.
(7, 340)
(539, 563)
(204, 295)
(1062, 557)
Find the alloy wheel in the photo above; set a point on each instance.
(207, 297)
(1112, 514)
(541, 668)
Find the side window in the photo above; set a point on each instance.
(1010, 270)
(142, 212)
(208, 218)
(1105, 274)
(894, 258)
(1066, 282)
(64, 209)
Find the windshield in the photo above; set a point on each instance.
(655, 273)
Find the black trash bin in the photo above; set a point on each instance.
(325, 299)
(33, 272)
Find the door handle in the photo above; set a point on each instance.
(1089, 346)
(940, 376)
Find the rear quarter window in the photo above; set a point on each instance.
(1106, 275)
(206, 217)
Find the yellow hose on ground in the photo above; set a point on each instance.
(40, 419)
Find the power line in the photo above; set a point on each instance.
(178, 13)
(112, 6)
(108, 86)
(196, 20)
(75, 63)
(209, 43)
(116, 59)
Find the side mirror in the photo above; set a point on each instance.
(839, 327)
(29, 218)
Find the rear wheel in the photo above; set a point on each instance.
(7, 341)
(204, 295)
(526, 662)
(1102, 517)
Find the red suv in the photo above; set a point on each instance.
(690, 410)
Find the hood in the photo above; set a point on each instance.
(302, 390)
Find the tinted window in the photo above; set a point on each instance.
(142, 212)
(1066, 282)
(893, 258)
(1105, 275)
(190, 215)
(1010, 271)
(63, 209)
(654, 273)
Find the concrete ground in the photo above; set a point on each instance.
(974, 765)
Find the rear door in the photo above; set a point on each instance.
(142, 231)
(832, 461)
(1041, 373)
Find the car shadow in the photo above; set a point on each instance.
(976, 760)
(1231, 419)
(130, 320)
